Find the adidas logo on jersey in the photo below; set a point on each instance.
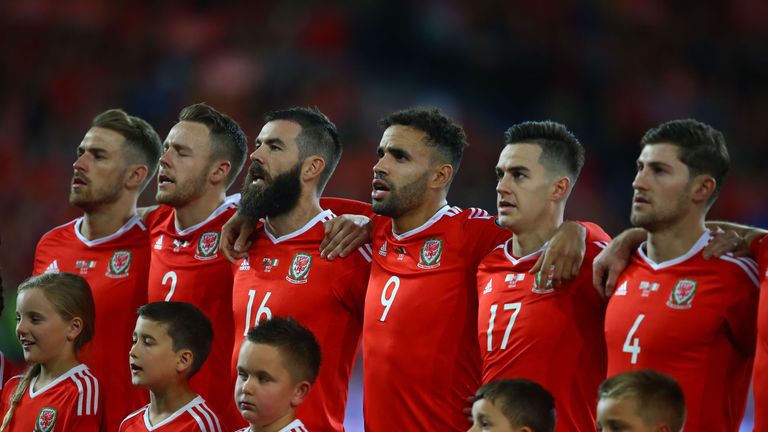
(383, 249)
(245, 265)
(622, 290)
(489, 287)
(52, 267)
(159, 243)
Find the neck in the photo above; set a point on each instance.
(527, 240)
(198, 210)
(276, 425)
(163, 403)
(104, 221)
(51, 370)
(306, 209)
(671, 242)
(418, 216)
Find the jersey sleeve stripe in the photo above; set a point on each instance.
(79, 395)
(96, 390)
(369, 248)
(208, 421)
(601, 244)
(199, 421)
(749, 262)
(216, 425)
(751, 273)
(365, 254)
(87, 397)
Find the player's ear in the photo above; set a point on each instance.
(135, 176)
(300, 393)
(75, 328)
(525, 429)
(664, 428)
(184, 359)
(441, 176)
(702, 187)
(220, 171)
(560, 188)
(312, 167)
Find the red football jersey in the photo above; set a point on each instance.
(116, 267)
(553, 336)
(192, 417)
(294, 426)
(285, 276)
(71, 402)
(760, 384)
(187, 266)
(420, 350)
(693, 319)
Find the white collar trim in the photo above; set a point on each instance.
(228, 202)
(325, 214)
(134, 220)
(696, 248)
(435, 217)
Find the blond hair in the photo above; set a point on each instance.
(70, 295)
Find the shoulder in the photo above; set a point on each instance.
(133, 417)
(57, 232)
(87, 388)
(745, 267)
(206, 419)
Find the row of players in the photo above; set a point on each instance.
(442, 297)
(277, 366)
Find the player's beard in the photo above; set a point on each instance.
(185, 192)
(92, 197)
(402, 199)
(275, 197)
(656, 219)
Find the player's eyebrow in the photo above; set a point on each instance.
(394, 151)
(269, 141)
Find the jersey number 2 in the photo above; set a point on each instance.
(170, 277)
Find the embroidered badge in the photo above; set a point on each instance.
(682, 295)
(119, 264)
(547, 288)
(207, 245)
(299, 269)
(46, 420)
(430, 254)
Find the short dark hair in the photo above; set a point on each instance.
(143, 142)
(318, 136)
(298, 347)
(523, 402)
(702, 148)
(442, 132)
(658, 396)
(561, 151)
(187, 326)
(227, 138)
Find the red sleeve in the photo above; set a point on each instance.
(154, 216)
(342, 206)
(741, 312)
(351, 287)
(39, 265)
(483, 233)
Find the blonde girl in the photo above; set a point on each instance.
(54, 319)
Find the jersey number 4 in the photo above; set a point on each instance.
(515, 308)
(632, 345)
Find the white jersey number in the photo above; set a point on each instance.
(515, 308)
(173, 279)
(387, 300)
(262, 311)
(631, 345)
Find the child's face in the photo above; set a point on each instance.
(264, 390)
(488, 418)
(153, 362)
(620, 415)
(44, 335)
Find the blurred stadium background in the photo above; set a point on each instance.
(607, 69)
